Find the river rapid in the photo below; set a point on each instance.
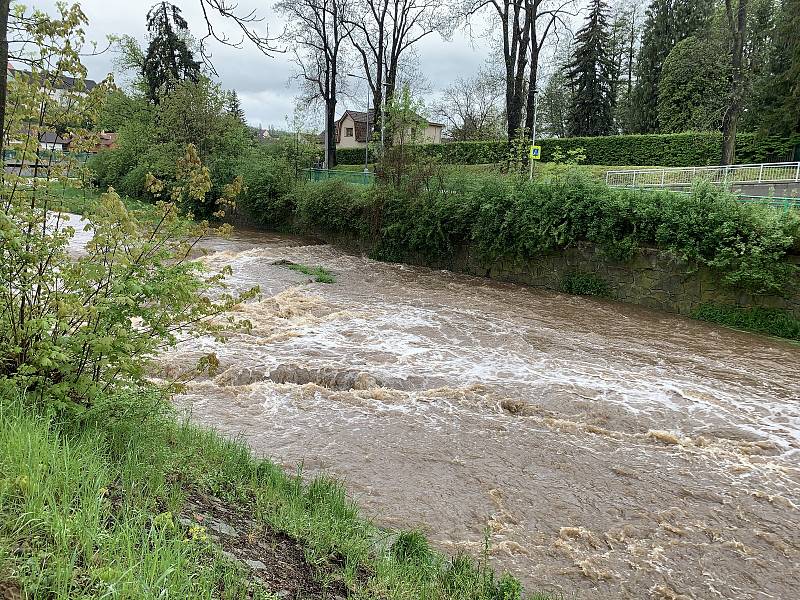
(607, 450)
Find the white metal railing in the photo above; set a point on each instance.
(727, 174)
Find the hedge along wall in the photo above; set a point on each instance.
(668, 150)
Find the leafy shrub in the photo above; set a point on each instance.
(585, 284)
(73, 329)
(433, 223)
(771, 321)
(515, 219)
(333, 207)
(268, 179)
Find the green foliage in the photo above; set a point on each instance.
(151, 139)
(554, 106)
(320, 274)
(585, 284)
(508, 218)
(776, 90)
(667, 23)
(72, 328)
(694, 86)
(771, 321)
(268, 178)
(401, 163)
(591, 74)
(332, 207)
(669, 150)
(168, 59)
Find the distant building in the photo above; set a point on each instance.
(61, 85)
(259, 133)
(61, 142)
(351, 130)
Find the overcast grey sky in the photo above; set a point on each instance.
(266, 85)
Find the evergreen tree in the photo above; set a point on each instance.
(235, 107)
(554, 104)
(667, 22)
(592, 74)
(778, 91)
(169, 58)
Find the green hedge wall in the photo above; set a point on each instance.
(669, 150)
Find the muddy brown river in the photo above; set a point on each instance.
(607, 451)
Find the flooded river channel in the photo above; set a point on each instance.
(609, 451)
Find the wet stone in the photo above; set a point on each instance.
(256, 565)
(223, 528)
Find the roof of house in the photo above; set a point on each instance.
(51, 137)
(64, 82)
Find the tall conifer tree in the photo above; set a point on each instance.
(778, 92)
(169, 58)
(592, 74)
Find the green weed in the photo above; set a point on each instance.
(320, 274)
(771, 321)
(585, 284)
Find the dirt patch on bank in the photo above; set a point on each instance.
(275, 560)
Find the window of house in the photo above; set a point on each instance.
(348, 132)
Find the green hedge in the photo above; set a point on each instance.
(673, 150)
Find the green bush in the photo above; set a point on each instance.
(332, 207)
(585, 284)
(669, 150)
(73, 329)
(514, 219)
(771, 321)
(268, 179)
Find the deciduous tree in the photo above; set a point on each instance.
(382, 32)
(470, 108)
(318, 34)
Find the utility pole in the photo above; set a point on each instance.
(533, 130)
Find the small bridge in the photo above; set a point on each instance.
(775, 183)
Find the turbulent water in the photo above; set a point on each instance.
(609, 451)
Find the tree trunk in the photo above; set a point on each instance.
(730, 120)
(5, 7)
(532, 81)
(330, 134)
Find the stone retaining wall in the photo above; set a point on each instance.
(652, 278)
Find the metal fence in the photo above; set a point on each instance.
(786, 172)
(356, 177)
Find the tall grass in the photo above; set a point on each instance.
(88, 509)
(761, 320)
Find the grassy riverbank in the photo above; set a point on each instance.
(127, 501)
(104, 492)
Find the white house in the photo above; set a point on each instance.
(351, 130)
